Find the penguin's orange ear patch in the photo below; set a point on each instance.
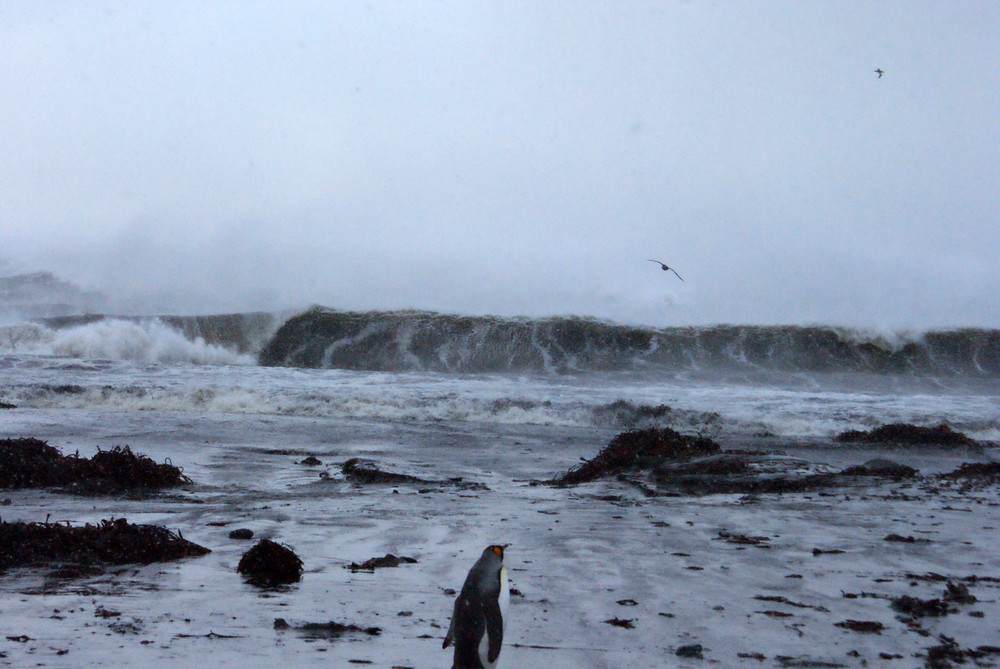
(498, 550)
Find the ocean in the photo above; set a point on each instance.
(604, 574)
(414, 366)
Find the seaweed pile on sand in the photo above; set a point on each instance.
(111, 542)
(662, 461)
(365, 472)
(972, 476)
(32, 463)
(905, 433)
(388, 560)
(638, 449)
(327, 630)
(269, 564)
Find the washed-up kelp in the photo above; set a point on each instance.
(975, 470)
(32, 463)
(366, 472)
(389, 560)
(269, 564)
(904, 433)
(973, 476)
(328, 630)
(635, 449)
(883, 468)
(109, 542)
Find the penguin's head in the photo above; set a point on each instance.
(498, 549)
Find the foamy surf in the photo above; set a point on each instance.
(148, 341)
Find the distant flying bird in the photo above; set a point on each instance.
(879, 72)
(664, 267)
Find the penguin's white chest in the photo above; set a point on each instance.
(504, 593)
(504, 600)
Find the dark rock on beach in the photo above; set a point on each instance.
(269, 563)
(905, 433)
(241, 533)
(693, 650)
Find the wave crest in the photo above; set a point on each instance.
(141, 341)
(424, 341)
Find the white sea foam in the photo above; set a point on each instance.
(138, 373)
(140, 341)
(885, 339)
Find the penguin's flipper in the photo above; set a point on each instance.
(494, 628)
(449, 638)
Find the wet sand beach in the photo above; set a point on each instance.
(602, 574)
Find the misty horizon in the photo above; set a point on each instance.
(512, 160)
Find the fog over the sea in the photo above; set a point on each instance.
(511, 157)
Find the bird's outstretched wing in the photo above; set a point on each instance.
(656, 261)
(675, 272)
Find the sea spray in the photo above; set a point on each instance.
(149, 340)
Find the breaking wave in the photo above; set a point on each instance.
(149, 340)
(424, 341)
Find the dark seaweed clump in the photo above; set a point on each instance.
(365, 472)
(904, 433)
(32, 463)
(110, 542)
(973, 476)
(914, 607)
(388, 560)
(881, 467)
(948, 653)
(269, 564)
(638, 448)
(975, 470)
(328, 630)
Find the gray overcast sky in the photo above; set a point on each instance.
(511, 158)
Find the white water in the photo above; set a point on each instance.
(146, 341)
(49, 381)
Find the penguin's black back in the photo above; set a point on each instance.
(469, 618)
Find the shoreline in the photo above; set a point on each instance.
(752, 579)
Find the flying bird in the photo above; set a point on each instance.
(879, 72)
(477, 620)
(664, 267)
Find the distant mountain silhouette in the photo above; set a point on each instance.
(44, 295)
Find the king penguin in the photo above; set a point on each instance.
(477, 621)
